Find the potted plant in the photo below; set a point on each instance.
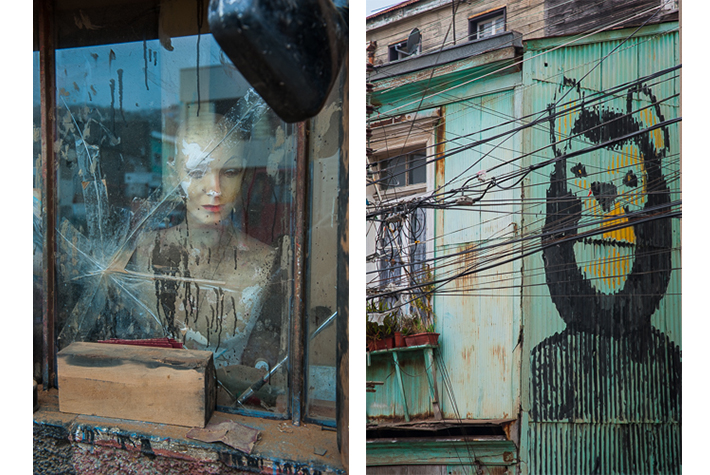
(417, 334)
(381, 336)
(390, 327)
(420, 327)
(373, 334)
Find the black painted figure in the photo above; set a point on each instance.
(610, 377)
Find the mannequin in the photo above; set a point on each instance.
(211, 279)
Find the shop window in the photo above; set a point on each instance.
(487, 24)
(174, 201)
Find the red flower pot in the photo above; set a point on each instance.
(383, 344)
(428, 338)
(399, 340)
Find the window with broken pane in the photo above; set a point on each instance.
(174, 197)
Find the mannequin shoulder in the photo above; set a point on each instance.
(255, 251)
(253, 246)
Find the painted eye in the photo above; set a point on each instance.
(231, 172)
(630, 180)
(579, 171)
(196, 173)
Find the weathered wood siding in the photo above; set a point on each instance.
(563, 17)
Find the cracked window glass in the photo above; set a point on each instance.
(174, 197)
(324, 155)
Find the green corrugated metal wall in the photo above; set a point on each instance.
(479, 328)
(603, 336)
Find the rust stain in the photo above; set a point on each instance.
(468, 261)
(466, 353)
(440, 147)
(498, 352)
(508, 429)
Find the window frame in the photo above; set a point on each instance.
(408, 157)
(394, 49)
(408, 252)
(475, 20)
(46, 44)
(416, 132)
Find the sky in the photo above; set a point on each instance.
(373, 5)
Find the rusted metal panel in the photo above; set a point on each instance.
(602, 302)
(478, 376)
(478, 320)
(388, 401)
(455, 451)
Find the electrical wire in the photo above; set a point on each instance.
(405, 252)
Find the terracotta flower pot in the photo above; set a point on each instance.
(383, 344)
(428, 338)
(399, 340)
(388, 343)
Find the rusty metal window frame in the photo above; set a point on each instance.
(46, 44)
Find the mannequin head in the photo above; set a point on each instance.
(210, 163)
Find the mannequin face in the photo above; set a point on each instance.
(211, 173)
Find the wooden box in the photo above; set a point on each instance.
(164, 385)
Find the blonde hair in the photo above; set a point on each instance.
(195, 138)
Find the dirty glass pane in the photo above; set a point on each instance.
(173, 202)
(37, 235)
(322, 259)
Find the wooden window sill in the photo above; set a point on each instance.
(281, 448)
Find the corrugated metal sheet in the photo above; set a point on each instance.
(478, 367)
(564, 448)
(603, 314)
(479, 328)
(387, 403)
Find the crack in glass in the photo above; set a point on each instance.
(135, 273)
